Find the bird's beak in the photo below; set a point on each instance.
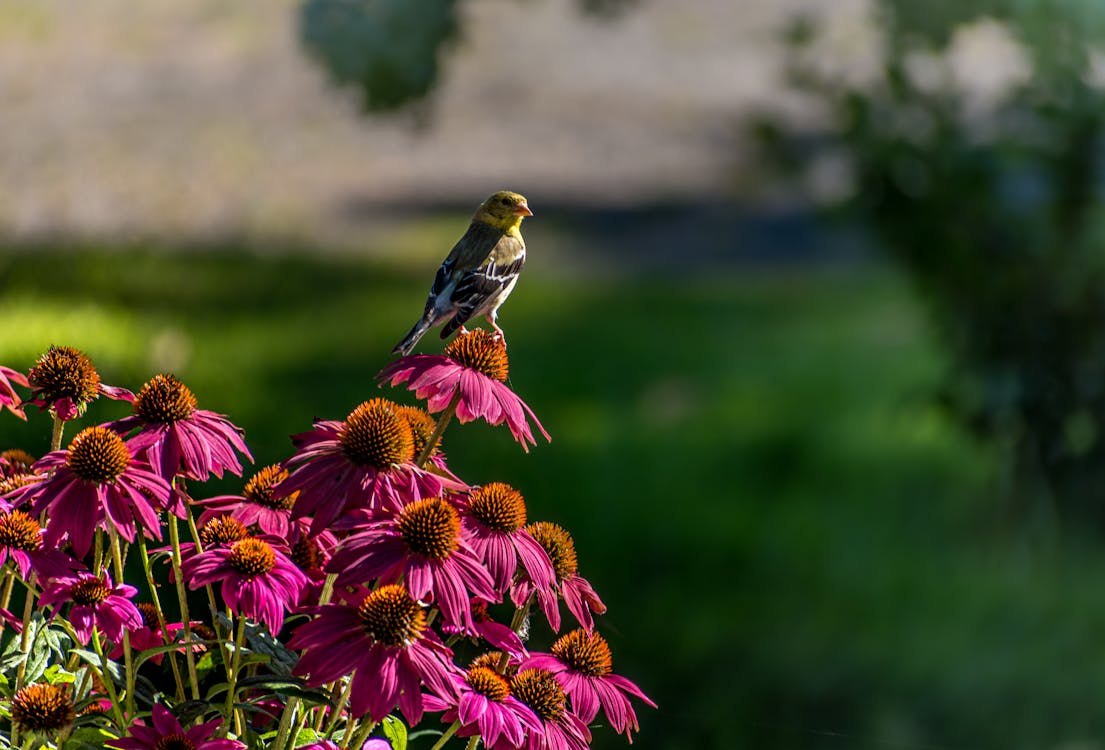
(522, 210)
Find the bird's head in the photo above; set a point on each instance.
(504, 209)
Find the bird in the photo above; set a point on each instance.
(479, 273)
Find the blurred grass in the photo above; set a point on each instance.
(796, 547)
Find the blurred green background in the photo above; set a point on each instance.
(813, 310)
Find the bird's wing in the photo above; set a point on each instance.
(470, 252)
(480, 287)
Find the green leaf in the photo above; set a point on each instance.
(396, 732)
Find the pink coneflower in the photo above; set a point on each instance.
(385, 642)
(373, 743)
(581, 663)
(64, 382)
(21, 540)
(475, 365)
(259, 581)
(42, 708)
(498, 635)
(422, 544)
(257, 505)
(9, 399)
(560, 728)
(150, 634)
(95, 481)
(96, 604)
(15, 461)
(578, 594)
(486, 707)
(361, 463)
(177, 437)
(494, 518)
(167, 733)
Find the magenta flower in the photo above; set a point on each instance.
(167, 732)
(385, 642)
(21, 541)
(475, 366)
(95, 482)
(494, 518)
(362, 463)
(96, 604)
(177, 437)
(421, 544)
(258, 581)
(498, 635)
(486, 707)
(373, 743)
(577, 593)
(257, 505)
(64, 381)
(581, 663)
(150, 635)
(9, 399)
(560, 729)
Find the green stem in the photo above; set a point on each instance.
(447, 736)
(9, 583)
(25, 635)
(362, 734)
(232, 676)
(439, 430)
(327, 589)
(285, 725)
(473, 743)
(105, 678)
(516, 624)
(128, 656)
(182, 598)
(161, 621)
(55, 436)
(336, 712)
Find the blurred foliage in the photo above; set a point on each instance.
(391, 50)
(982, 174)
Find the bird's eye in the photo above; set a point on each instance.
(505, 201)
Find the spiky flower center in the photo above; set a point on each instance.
(539, 690)
(88, 592)
(491, 660)
(480, 351)
(391, 617)
(164, 400)
(19, 531)
(559, 546)
(422, 426)
(376, 434)
(499, 507)
(586, 653)
(306, 554)
(17, 461)
(97, 455)
(222, 531)
(15, 481)
(479, 610)
(149, 614)
(430, 527)
(42, 708)
(488, 682)
(64, 372)
(174, 742)
(259, 488)
(252, 557)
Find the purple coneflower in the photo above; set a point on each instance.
(177, 437)
(494, 517)
(257, 505)
(64, 382)
(373, 743)
(9, 399)
(560, 728)
(422, 544)
(96, 604)
(486, 707)
(21, 540)
(581, 663)
(578, 594)
(42, 708)
(259, 582)
(95, 481)
(498, 635)
(361, 463)
(150, 635)
(167, 733)
(385, 641)
(475, 365)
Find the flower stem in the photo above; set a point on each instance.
(55, 436)
(161, 621)
(473, 743)
(232, 676)
(182, 598)
(285, 726)
(361, 735)
(439, 430)
(327, 589)
(105, 678)
(337, 710)
(25, 634)
(516, 623)
(447, 735)
(128, 657)
(9, 583)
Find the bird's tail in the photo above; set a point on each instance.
(404, 347)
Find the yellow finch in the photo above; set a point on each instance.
(479, 273)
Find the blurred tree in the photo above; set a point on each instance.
(974, 154)
(391, 49)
